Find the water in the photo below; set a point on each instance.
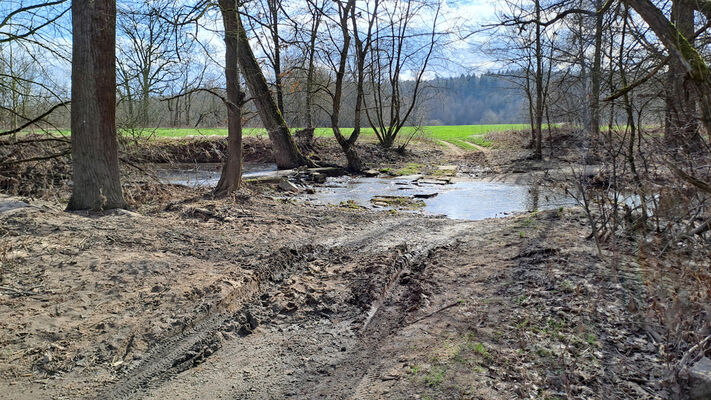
(207, 174)
(463, 199)
(469, 200)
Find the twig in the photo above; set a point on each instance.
(435, 312)
(16, 291)
(34, 121)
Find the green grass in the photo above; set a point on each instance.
(466, 137)
(448, 133)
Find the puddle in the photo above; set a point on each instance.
(469, 200)
(206, 174)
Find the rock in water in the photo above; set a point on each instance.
(288, 186)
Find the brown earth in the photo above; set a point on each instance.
(257, 297)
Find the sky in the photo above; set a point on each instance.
(465, 56)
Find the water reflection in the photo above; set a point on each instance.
(206, 174)
(470, 200)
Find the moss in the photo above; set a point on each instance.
(350, 204)
(398, 202)
(699, 69)
(409, 169)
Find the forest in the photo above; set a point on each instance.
(355, 199)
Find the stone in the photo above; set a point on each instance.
(371, 173)
(700, 379)
(424, 195)
(288, 186)
(318, 177)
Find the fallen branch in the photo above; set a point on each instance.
(41, 158)
(701, 185)
(448, 306)
(34, 121)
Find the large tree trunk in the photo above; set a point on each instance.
(681, 122)
(681, 49)
(286, 154)
(97, 183)
(231, 176)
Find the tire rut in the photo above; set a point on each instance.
(178, 350)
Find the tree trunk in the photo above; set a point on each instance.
(97, 183)
(348, 147)
(310, 71)
(681, 122)
(231, 176)
(274, 11)
(538, 153)
(681, 49)
(286, 154)
(596, 74)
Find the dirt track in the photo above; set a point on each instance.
(258, 298)
(319, 303)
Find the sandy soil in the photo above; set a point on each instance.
(259, 298)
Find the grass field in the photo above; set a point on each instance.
(463, 136)
(466, 137)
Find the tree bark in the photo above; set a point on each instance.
(681, 49)
(538, 152)
(97, 183)
(286, 154)
(231, 176)
(681, 122)
(596, 73)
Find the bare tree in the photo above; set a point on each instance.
(231, 176)
(148, 55)
(284, 148)
(681, 47)
(398, 47)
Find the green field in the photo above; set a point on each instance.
(467, 137)
(462, 136)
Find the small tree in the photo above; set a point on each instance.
(398, 48)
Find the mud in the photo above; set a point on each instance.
(261, 296)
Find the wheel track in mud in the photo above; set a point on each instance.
(379, 324)
(159, 365)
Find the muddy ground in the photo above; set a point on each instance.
(257, 297)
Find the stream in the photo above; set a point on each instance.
(462, 199)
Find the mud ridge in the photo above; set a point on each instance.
(191, 346)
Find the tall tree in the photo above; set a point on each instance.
(680, 47)
(347, 145)
(681, 122)
(596, 72)
(286, 153)
(231, 176)
(97, 183)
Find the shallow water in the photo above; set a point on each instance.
(470, 200)
(463, 199)
(207, 174)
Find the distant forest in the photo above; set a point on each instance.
(473, 99)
